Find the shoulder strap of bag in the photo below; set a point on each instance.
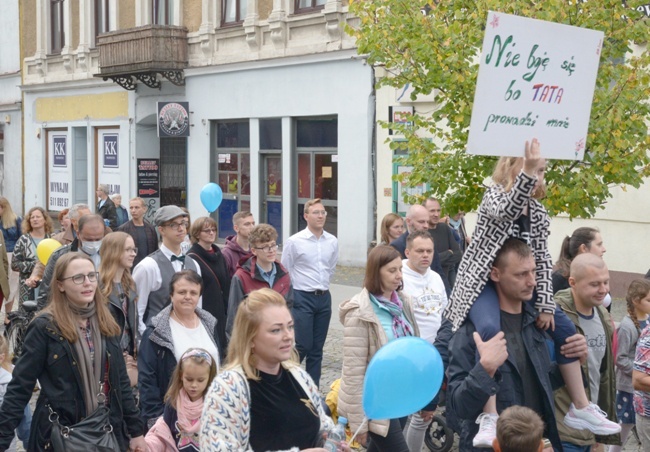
(199, 257)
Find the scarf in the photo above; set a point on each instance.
(189, 415)
(90, 369)
(401, 327)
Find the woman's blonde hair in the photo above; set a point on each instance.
(8, 218)
(27, 224)
(59, 306)
(246, 327)
(111, 254)
(4, 350)
(176, 382)
(506, 171)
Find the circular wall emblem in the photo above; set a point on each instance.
(174, 119)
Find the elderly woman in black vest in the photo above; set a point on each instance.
(179, 326)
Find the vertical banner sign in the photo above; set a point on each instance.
(111, 169)
(173, 119)
(59, 173)
(149, 184)
(536, 79)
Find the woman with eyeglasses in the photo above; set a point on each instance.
(179, 326)
(117, 254)
(72, 348)
(214, 271)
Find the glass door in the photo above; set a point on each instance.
(233, 171)
(272, 191)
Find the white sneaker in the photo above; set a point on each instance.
(591, 418)
(487, 430)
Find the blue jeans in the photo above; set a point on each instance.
(25, 425)
(311, 314)
(486, 317)
(568, 447)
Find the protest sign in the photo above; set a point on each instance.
(536, 79)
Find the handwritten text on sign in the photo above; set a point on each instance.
(536, 79)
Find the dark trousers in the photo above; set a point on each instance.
(311, 315)
(394, 441)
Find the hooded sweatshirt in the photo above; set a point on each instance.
(233, 253)
(428, 297)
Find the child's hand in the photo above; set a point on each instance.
(545, 321)
(533, 158)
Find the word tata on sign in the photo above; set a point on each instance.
(503, 54)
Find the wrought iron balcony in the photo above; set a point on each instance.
(142, 53)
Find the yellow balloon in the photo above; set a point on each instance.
(45, 249)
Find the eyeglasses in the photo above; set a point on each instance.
(177, 226)
(131, 250)
(209, 231)
(268, 248)
(319, 212)
(80, 278)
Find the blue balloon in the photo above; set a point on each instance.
(402, 378)
(211, 196)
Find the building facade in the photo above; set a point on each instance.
(157, 98)
(11, 182)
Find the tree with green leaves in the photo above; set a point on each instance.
(436, 49)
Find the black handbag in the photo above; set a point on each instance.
(93, 434)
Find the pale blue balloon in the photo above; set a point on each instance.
(211, 196)
(402, 378)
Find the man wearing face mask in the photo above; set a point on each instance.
(90, 233)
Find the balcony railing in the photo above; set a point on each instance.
(142, 53)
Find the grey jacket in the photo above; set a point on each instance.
(628, 336)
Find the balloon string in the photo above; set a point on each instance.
(358, 430)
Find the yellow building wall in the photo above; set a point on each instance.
(28, 28)
(73, 40)
(192, 15)
(74, 108)
(265, 8)
(126, 14)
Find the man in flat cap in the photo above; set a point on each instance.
(154, 273)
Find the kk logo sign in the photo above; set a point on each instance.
(111, 153)
(60, 151)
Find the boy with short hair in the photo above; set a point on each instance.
(261, 270)
(519, 429)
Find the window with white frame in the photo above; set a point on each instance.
(233, 11)
(57, 26)
(162, 12)
(304, 6)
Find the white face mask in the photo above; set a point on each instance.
(91, 248)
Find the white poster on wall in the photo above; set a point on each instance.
(59, 176)
(111, 159)
(536, 79)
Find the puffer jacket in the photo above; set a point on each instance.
(363, 335)
(607, 390)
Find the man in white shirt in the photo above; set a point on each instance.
(429, 299)
(153, 274)
(310, 256)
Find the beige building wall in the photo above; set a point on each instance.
(126, 14)
(192, 14)
(28, 28)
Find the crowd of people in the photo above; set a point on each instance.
(182, 345)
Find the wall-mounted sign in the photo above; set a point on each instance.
(173, 119)
(397, 115)
(110, 147)
(59, 177)
(60, 148)
(149, 178)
